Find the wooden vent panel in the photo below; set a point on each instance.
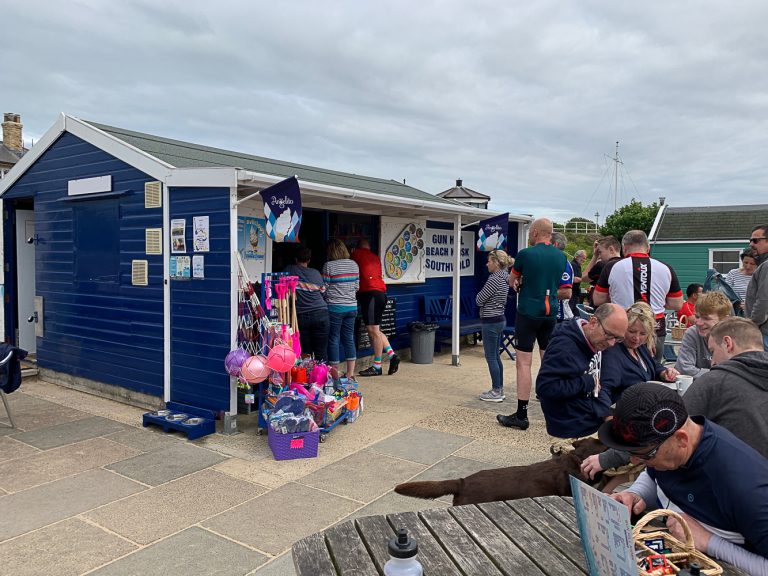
(140, 272)
(153, 197)
(154, 240)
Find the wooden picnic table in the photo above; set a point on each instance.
(530, 536)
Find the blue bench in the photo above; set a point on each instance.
(439, 310)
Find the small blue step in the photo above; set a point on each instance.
(206, 426)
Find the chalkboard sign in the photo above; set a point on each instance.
(388, 324)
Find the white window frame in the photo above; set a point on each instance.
(736, 251)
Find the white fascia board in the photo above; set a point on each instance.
(118, 148)
(29, 158)
(657, 242)
(656, 222)
(438, 208)
(220, 177)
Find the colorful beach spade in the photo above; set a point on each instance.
(405, 248)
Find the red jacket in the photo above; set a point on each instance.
(371, 279)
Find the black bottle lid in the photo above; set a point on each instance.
(402, 546)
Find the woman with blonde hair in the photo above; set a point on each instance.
(632, 360)
(492, 301)
(341, 278)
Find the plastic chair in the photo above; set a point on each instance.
(2, 394)
(585, 312)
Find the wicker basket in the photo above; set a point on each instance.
(679, 330)
(683, 553)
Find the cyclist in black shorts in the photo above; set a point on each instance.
(536, 276)
(372, 298)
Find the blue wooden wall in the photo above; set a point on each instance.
(200, 308)
(106, 330)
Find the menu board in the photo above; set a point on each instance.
(388, 324)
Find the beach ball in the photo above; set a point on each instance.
(281, 358)
(234, 361)
(255, 369)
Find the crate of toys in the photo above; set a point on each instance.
(659, 553)
(292, 431)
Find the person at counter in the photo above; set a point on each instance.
(311, 309)
(341, 278)
(372, 298)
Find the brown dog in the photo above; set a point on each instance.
(548, 478)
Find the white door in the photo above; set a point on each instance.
(25, 284)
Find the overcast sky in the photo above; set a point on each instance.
(523, 100)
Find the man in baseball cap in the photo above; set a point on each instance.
(697, 468)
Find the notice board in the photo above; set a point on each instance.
(388, 324)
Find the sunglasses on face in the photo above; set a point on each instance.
(646, 455)
(756, 240)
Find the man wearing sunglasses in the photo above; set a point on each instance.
(756, 302)
(697, 468)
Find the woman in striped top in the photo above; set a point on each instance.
(739, 278)
(341, 278)
(492, 300)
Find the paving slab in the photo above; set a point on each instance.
(363, 476)
(253, 471)
(11, 448)
(166, 464)
(280, 566)
(61, 462)
(166, 509)
(49, 503)
(72, 546)
(53, 436)
(421, 445)
(145, 439)
(502, 454)
(193, 552)
(273, 522)
(453, 467)
(5, 431)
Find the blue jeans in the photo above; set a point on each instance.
(765, 342)
(491, 345)
(341, 337)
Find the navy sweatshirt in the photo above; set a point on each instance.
(565, 385)
(620, 370)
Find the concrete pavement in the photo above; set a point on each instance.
(84, 489)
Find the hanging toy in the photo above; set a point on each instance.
(255, 369)
(281, 358)
(234, 361)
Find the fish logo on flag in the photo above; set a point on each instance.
(282, 209)
(492, 233)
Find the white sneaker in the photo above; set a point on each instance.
(492, 396)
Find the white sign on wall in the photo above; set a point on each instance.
(439, 248)
(403, 246)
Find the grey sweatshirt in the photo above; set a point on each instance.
(756, 303)
(694, 358)
(734, 394)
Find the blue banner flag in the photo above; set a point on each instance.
(492, 233)
(282, 209)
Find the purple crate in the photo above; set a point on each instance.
(291, 446)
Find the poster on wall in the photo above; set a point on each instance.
(439, 249)
(403, 251)
(178, 236)
(198, 266)
(282, 209)
(492, 233)
(251, 238)
(201, 234)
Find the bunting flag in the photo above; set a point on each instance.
(282, 209)
(492, 233)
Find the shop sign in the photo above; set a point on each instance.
(403, 251)
(439, 251)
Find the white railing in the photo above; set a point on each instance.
(578, 227)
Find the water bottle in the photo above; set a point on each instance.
(402, 556)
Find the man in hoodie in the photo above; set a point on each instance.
(756, 302)
(734, 393)
(568, 383)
